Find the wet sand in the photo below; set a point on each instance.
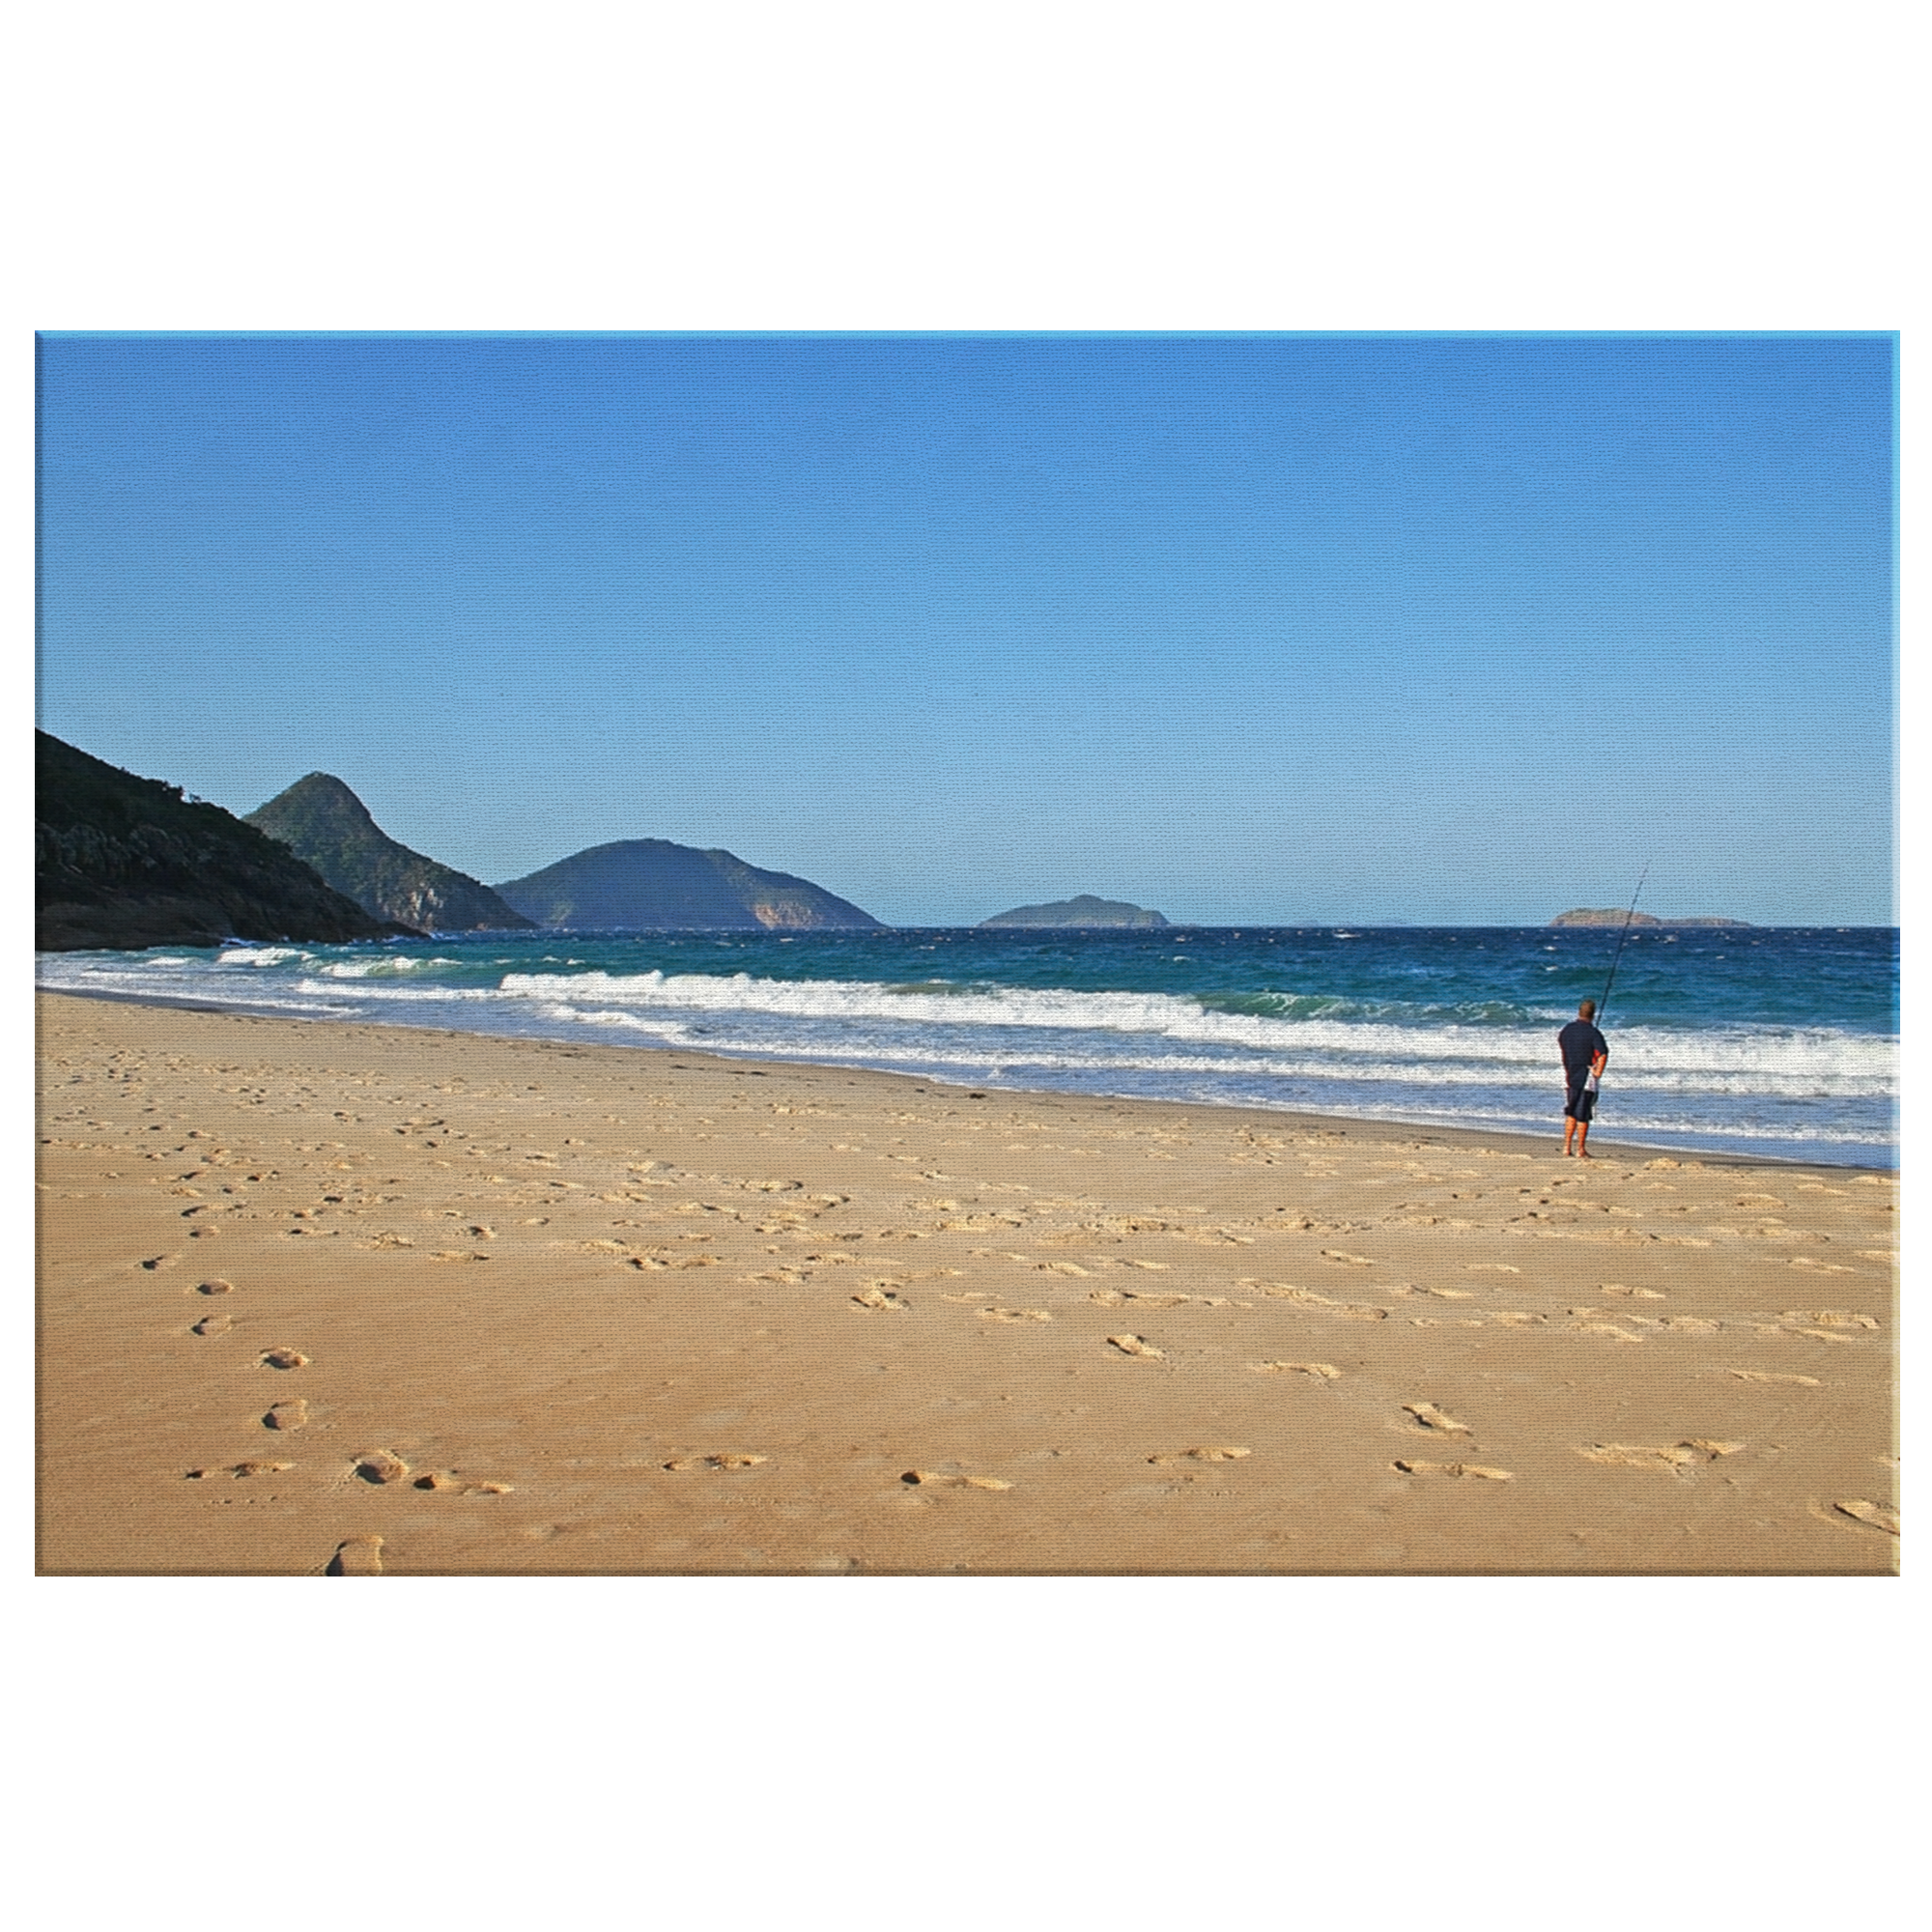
(338, 1299)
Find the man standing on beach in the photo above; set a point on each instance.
(1585, 1052)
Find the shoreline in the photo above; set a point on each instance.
(1513, 1137)
(319, 1297)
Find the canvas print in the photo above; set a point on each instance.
(943, 955)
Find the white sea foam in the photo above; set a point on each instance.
(346, 986)
(257, 956)
(1359, 1071)
(1740, 1062)
(384, 966)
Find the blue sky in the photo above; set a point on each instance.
(1251, 628)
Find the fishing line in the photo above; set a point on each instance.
(1619, 953)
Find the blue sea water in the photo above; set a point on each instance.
(1772, 1042)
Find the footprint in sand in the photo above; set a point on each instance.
(1627, 1456)
(287, 1415)
(357, 1556)
(212, 1324)
(380, 1466)
(1830, 1318)
(1136, 1344)
(1874, 1513)
(283, 1359)
(154, 1262)
(1432, 1418)
(1607, 1328)
(1446, 1294)
(445, 1483)
(1214, 1455)
(1319, 1304)
(215, 1287)
(1409, 1468)
(1491, 1267)
(1323, 1372)
(1152, 1266)
(1637, 1293)
(881, 1299)
(940, 1479)
(1015, 1314)
(727, 1459)
(1819, 1268)
(1344, 1256)
(1660, 1460)
(241, 1469)
(1771, 1376)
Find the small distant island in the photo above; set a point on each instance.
(1084, 911)
(1617, 915)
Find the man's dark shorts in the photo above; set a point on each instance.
(1582, 1103)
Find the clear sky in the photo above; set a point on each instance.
(1251, 628)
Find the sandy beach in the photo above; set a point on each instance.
(343, 1298)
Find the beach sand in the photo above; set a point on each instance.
(342, 1299)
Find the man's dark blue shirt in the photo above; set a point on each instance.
(1581, 1043)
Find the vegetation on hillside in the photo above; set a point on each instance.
(126, 862)
(322, 821)
(1085, 909)
(653, 885)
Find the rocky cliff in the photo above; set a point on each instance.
(1084, 911)
(652, 885)
(327, 826)
(127, 862)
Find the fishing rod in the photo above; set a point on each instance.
(1619, 953)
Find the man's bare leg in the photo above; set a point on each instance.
(1583, 1141)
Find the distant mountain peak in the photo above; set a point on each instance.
(326, 825)
(325, 791)
(646, 885)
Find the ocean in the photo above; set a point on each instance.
(1770, 1042)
